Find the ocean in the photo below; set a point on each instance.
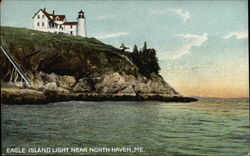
(218, 127)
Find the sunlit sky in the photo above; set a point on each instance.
(202, 46)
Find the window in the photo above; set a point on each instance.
(71, 32)
(42, 16)
(70, 26)
(38, 16)
(43, 24)
(38, 24)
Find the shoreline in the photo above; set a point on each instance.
(22, 96)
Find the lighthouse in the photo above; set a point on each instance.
(81, 24)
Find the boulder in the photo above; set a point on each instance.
(47, 78)
(82, 86)
(37, 84)
(116, 83)
(50, 86)
(66, 81)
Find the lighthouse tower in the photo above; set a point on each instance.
(81, 24)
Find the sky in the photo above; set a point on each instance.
(202, 45)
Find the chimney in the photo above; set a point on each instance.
(44, 9)
(53, 12)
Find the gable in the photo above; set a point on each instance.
(37, 13)
(44, 12)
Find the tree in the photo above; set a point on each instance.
(144, 47)
(135, 49)
(146, 60)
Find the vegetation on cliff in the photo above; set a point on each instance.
(26, 43)
(146, 60)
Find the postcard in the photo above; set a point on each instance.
(155, 78)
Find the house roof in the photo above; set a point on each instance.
(44, 12)
(70, 23)
(61, 17)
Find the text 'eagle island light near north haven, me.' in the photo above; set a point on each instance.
(43, 21)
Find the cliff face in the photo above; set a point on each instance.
(77, 65)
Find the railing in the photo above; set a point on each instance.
(17, 66)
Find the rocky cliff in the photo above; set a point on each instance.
(74, 68)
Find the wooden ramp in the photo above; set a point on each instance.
(18, 70)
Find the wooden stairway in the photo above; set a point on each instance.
(18, 69)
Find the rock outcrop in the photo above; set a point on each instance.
(74, 68)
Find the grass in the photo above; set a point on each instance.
(18, 36)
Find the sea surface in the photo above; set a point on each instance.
(216, 127)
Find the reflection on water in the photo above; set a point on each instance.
(207, 127)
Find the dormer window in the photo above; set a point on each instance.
(57, 18)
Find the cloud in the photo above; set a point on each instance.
(239, 35)
(190, 40)
(101, 17)
(112, 35)
(184, 14)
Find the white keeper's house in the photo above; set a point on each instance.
(44, 21)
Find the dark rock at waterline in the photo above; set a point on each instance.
(28, 96)
(14, 95)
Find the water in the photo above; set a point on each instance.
(217, 127)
